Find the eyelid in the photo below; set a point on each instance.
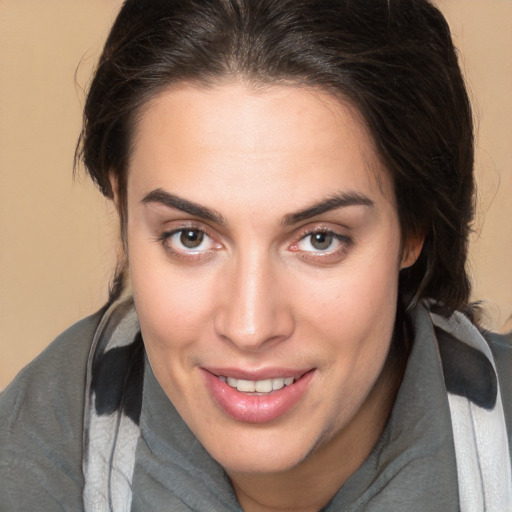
(322, 228)
(164, 237)
(170, 227)
(327, 256)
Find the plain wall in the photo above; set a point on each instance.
(58, 235)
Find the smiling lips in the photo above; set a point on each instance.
(256, 401)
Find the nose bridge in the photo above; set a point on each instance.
(253, 311)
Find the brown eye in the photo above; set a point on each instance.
(191, 238)
(189, 242)
(321, 241)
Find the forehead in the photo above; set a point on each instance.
(291, 139)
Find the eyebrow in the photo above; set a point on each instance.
(162, 197)
(334, 202)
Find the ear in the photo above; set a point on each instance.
(411, 250)
(120, 208)
(114, 185)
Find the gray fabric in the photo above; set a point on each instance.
(411, 468)
(501, 346)
(172, 467)
(113, 398)
(41, 427)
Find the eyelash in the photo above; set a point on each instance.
(183, 254)
(327, 256)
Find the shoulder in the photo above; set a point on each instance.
(41, 424)
(476, 363)
(54, 378)
(501, 347)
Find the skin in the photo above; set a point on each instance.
(260, 290)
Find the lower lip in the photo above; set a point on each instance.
(256, 408)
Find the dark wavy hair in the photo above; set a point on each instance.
(394, 60)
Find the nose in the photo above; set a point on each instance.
(253, 310)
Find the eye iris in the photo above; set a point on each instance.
(321, 241)
(191, 238)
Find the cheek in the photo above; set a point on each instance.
(354, 315)
(172, 304)
(360, 294)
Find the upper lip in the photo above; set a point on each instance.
(257, 374)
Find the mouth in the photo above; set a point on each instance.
(258, 386)
(257, 400)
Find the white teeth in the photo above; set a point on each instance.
(258, 386)
(263, 386)
(278, 383)
(245, 386)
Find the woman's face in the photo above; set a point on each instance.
(264, 249)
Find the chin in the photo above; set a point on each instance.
(263, 452)
(260, 462)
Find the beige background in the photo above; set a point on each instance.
(56, 234)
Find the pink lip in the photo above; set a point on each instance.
(251, 408)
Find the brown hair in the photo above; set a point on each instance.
(394, 60)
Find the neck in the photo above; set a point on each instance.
(328, 466)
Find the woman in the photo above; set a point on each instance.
(294, 184)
